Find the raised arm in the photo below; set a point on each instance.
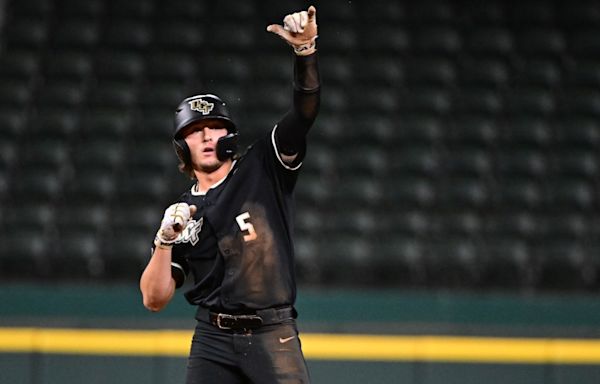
(299, 31)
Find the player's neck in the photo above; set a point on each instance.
(208, 179)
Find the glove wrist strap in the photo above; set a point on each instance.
(306, 48)
(159, 243)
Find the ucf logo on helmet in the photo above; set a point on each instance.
(202, 106)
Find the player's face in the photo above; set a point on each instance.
(202, 138)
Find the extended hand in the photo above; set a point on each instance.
(299, 30)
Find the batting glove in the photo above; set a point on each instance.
(299, 30)
(173, 223)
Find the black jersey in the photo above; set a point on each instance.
(238, 246)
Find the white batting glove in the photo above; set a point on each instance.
(173, 223)
(299, 30)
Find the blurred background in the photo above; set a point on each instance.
(451, 185)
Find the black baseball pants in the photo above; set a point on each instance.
(271, 354)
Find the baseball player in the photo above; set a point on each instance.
(231, 232)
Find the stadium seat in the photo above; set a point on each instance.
(83, 215)
(26, 33)
(355, 190)
(178, 36)
(477, 100)
(379, 11)
(472, 130)
(482, 72)
(534, 101)
(8, 154)
(463, 191)
(354, 253)
(62, 94)
(12, 123)
(352, 221)
(21, 65)
(440, 40)
(451, 263)
(91, 185)
(537, 71)
(370, 71)
(231, 36)
(432, 100)
(136, 9)
(518, 193)
(577, 131)
(77, 256)
(24, 253)
(152, 155)
(366, 160)
(414, 160)
(409, 192)
(112, 95)
(172, 68)
(575, 163)
(125, 255)
(506, 263)
(32, 8)
(522, 162)
(397, 40)
(178, 10)
(68, 65)
(404, 222)
(16, 93)
(130, 35)
(564, 225)
(104, 126)
(36, 185)
(144, 186)
(136, 217)
(76, 34)
(398, 262)
(562, 265)
(98, 155)
(490, 40)
(46, 155)
(452, 224)
(429, 71)
(465, 161)
(541, 41)
(571, 193)
(126, 67)
(537, 13)
(584, 101)
(584, 73)
(517, 224)
(525, 131)
(90, 9)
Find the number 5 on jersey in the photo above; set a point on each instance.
(243, 221)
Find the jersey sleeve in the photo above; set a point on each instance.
(289, 137)
(179, 269)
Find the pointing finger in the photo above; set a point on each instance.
(312, 13)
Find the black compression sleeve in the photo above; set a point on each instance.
(292, 129)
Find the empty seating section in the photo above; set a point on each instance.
(457, 146)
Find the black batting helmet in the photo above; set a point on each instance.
(203, 107)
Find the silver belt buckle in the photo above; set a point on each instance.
(223, 316)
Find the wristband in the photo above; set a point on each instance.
(158, 243)
(305, 49)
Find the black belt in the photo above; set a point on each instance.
(246, 321)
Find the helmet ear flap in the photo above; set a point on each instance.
(227, 146)
(182, 150)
